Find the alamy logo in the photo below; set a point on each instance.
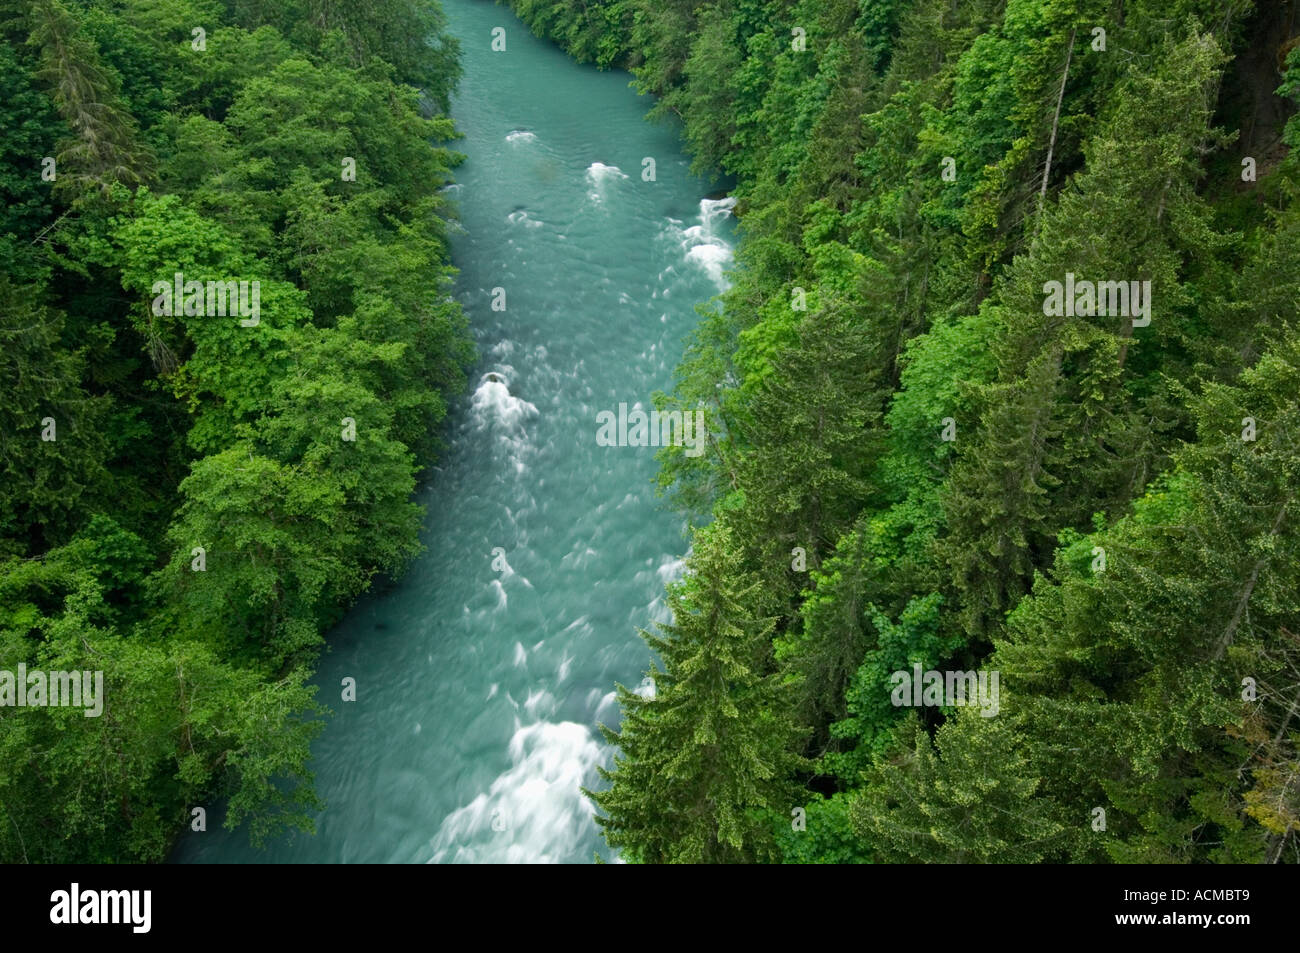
(948, 689)
(38, 689)
(208, 299)
(658, 428)
(103, 906)
(1128, 299)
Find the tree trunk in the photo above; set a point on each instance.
(1056, 120)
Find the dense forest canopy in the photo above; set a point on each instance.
(189, 499)
(1007, 384)
(1004, 397)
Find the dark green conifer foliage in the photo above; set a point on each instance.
(103, 147)
(706, 757)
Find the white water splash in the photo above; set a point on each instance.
(533, 812)
(493, 404)
(606, 707)
(494, 408)
(520, 135)
(671, 569)
(703, 243)
(539, 703)
(500, 592)
(599, 176)
(520, 217)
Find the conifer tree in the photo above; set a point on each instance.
(706, 756)
(103, 148)
(969, 798)
(813, 436)
(1148, 673)
(1081, 412)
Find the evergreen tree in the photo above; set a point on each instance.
(1073, 418)
(967, 797)
(707, 755)
(104, 146)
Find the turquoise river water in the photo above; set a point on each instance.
(478, 690)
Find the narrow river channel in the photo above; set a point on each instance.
(479, 689)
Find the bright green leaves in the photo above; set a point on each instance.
(258, 458)
(973, 478)
(174, 718)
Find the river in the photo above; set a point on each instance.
(478, 690)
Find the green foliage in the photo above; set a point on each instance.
(176, 722)
(952, 458)
(1112, 530)
(102, 146)
(286, 449)
(708, 755)
(826, 838)
(52, 444)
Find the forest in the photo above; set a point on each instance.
(919, 462)
(994, 551)
(190, 500)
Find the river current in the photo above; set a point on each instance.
(481, 676)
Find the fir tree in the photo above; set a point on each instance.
(103, 148)
(706, 756)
